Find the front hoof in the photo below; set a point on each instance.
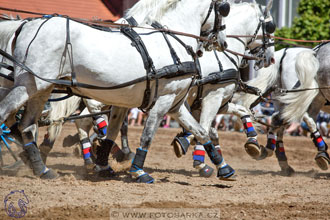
(265, 152)
(181, 144)
(286, 169)
(50, 174)
(104, 172)
(206, 171)
(226, 173)
(89, 164)
(252, 148)
(322, 160)
(145, 178)
(129, 156)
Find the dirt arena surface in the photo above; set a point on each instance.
(260, 192)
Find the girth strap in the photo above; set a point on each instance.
(230, 75)
(147, 61)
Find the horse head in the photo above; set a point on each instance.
(261, 45)
(213, 28)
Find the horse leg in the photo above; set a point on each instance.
(156, 114)
(322, 158)
(182, 140)
(83, 126)
(286, 169)
(116, 119)
(128, 154)
(28, 128)
(184, 117)
(251, 146)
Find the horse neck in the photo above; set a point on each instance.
(179, 15)
(7, 30)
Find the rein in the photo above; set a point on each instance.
(111, 24)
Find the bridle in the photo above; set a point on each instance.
(267, 27)
(221, 9)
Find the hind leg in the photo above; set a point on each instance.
(286, 169)
(116, 119)
(184, 117)
(83, 126)
(128, 154)
(322, 158)
(251, 146)
(28, 128)
(155, 116)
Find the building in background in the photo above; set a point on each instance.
(87, 9)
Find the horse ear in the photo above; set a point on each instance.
(269, 5)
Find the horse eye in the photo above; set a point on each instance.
(270, 27)
(223, 8)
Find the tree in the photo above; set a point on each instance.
(312, 24)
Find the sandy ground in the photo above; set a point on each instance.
(260, 192)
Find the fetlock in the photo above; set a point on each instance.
(36, 163)
(199, 157)
(248, 126)
(100, 126)
(86, 148)
(318, 141)
(103, 151)
(44, 151)
(136, 169)
(182, 142)
(280, 151)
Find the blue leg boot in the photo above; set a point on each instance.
(137, 167)
(225, 172)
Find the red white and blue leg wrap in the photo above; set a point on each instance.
(318, 141)
(101, 125)
(86, 148)
(248, 126)
(199, 153)
(271, 141)
(280, 151)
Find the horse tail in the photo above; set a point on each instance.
(297, 103)
(60, 110)
(265, 79)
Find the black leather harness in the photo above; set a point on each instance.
(176, 70)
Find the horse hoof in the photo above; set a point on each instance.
(89, 164)
(104, 172)
(145, 178)
(50, 174)
(287, 171)
(206, 171)
(129, 156)
(265, 152)
(181, 143)
(226, 173)
(252, 148)
(322, 160)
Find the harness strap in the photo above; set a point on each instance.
(147, 61)
(281, 62)
(6, 66)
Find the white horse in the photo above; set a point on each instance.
(209, 99)
(297, 68)
(97, 57)
(242, 20)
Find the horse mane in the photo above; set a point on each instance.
(152, 9)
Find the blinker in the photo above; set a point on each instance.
(270, 27)
(223, 8)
